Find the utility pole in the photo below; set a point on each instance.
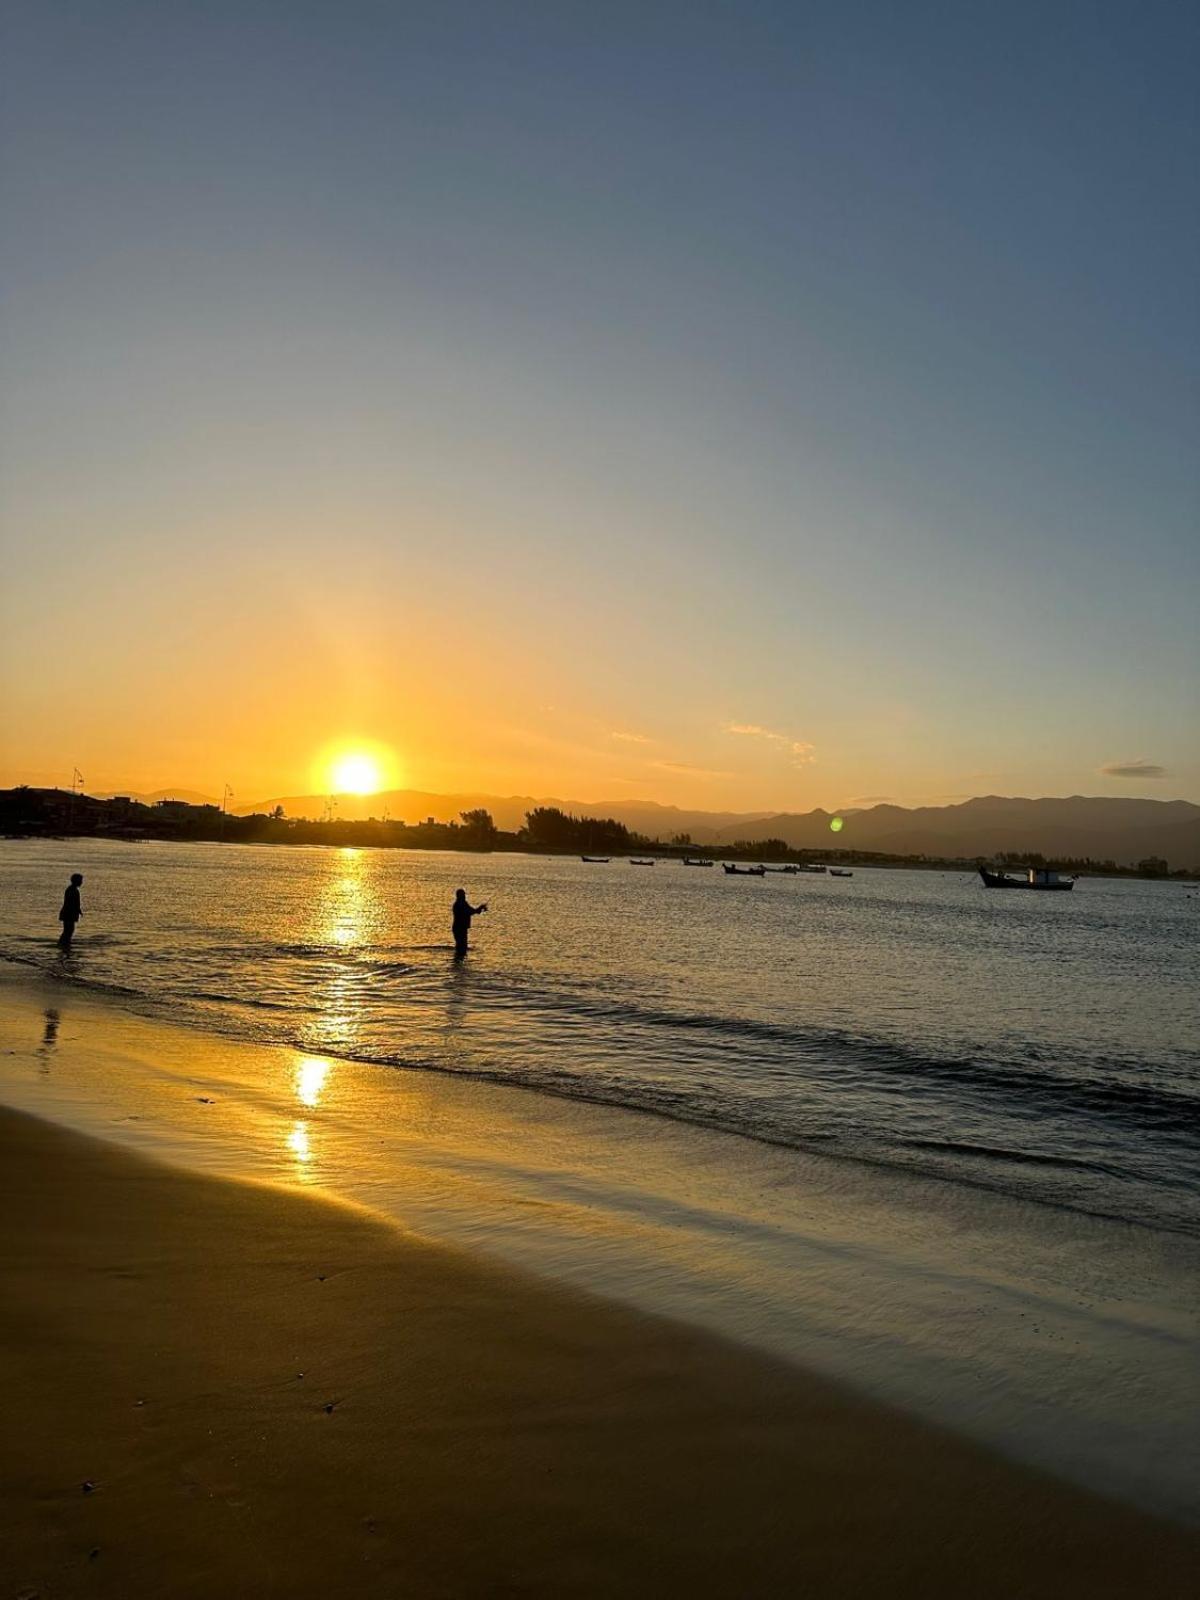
(226, 797)
(76, 787)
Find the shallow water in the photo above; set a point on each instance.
(1044, 1046)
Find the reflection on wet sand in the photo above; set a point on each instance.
(49, 1037)
(300, 1145)
(311, 1073)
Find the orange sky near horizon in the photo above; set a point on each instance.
(249, 671)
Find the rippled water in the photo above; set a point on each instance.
(1043, 1045)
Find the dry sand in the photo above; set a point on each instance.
(215, 1389)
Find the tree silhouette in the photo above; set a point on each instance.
(480, 825)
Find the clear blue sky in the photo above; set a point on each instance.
(549, 392)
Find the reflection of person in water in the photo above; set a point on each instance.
(49, 1038)
(461, 916)
(71, 911)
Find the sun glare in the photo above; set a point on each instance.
(355, 766)
(356, 774)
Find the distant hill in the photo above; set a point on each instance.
(1124, 831)
(414, 805)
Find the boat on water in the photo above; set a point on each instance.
(804, 867)
(634, 862)
(1035, 878)
(789, 869)
(840, 872)
(744, 872)
(695, 861)
(597, 861)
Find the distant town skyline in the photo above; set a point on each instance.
(740, 407)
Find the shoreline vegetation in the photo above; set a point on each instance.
(270, 1391)
(61, 814)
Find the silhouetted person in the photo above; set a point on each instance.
(71, 911)
(461, 921)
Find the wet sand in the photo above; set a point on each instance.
(215, 1388)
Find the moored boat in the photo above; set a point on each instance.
(1035, 878)
(840, 872)
(597, 861)
(804, 867)
(634, 862)
(696, 861)
(744, 872)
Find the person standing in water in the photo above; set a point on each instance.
(460, 921)
(71, 911)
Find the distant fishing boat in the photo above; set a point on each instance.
(745, 872)
(695, 861)
(598, 861)
(1035, 878)
(804, 867)
(840, 872)
(634, 862)
(788, 869)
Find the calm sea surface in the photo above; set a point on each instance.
(1041, 1045)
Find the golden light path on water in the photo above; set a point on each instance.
(347, 915)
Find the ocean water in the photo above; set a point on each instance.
(1043, 1046)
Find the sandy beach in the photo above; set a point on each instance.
(219, 1388)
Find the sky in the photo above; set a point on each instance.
(735, 405)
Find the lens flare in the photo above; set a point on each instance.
(836, 824)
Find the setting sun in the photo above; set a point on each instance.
(356, 774)
(355, 767)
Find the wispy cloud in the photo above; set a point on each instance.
(1133, 769)
(693, 772)
(631, 738)
(799, 750)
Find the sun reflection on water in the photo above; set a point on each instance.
(347, 909)
(348, 917)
